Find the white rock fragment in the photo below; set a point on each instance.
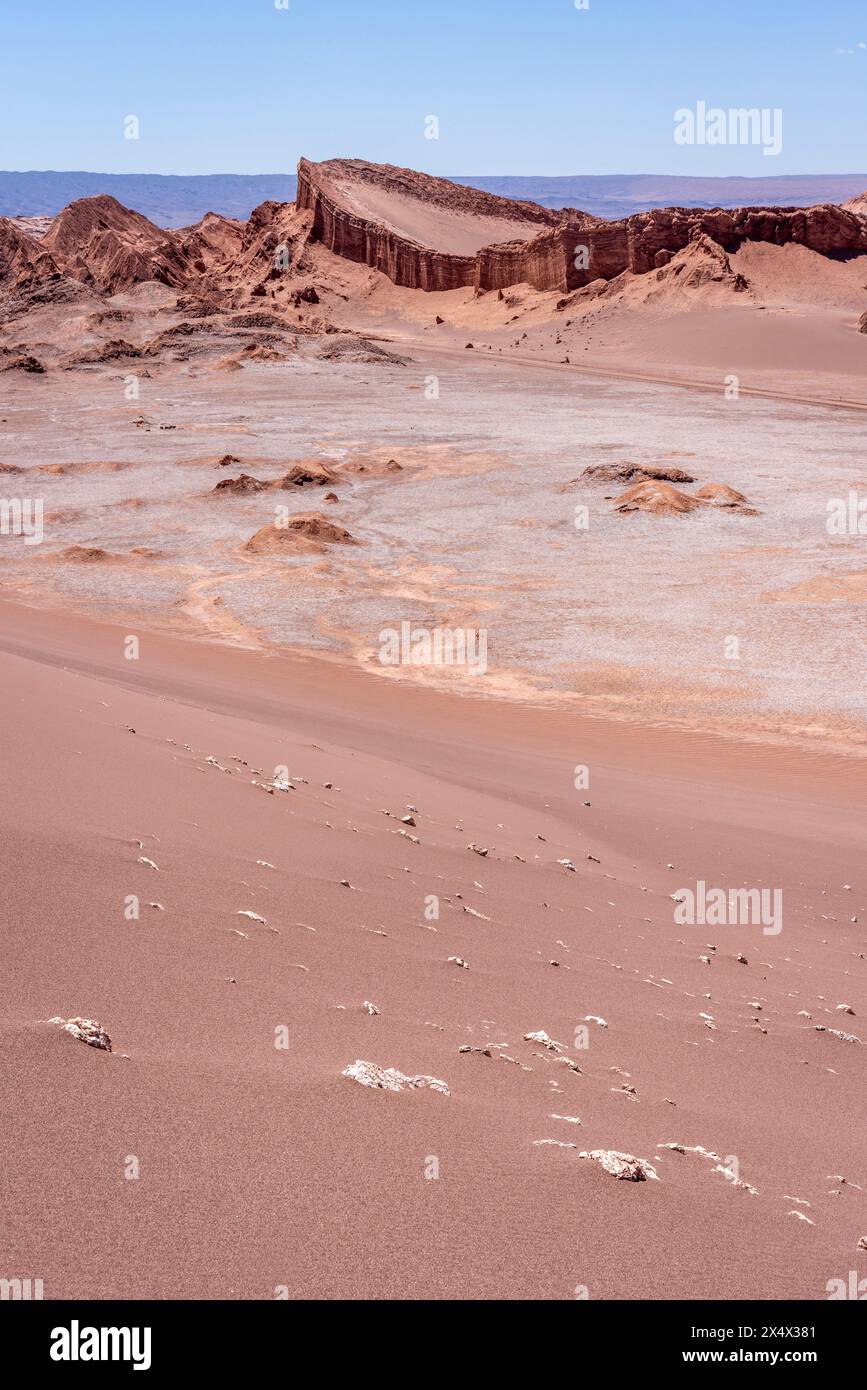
(567, 1119)
(594, 1018)
(472, 912)
(801, 1217)
(86, 1030)
(620, 1165)
(142, 859)
(458, 960)
(567, 864)
(390, 1079)
(264, 864)
(477, 850)
(555, 1143)
(370, 1008)
(254, 916)
(835, 1033)
(735, 1182)
(546, 1042)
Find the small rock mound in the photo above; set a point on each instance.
(721, 495)
(241, 486)
(86, 555)
(390, 1079)
(310, 531)
(344, 347)
(25, 363)
(634, 472)
(306, 475)
(658, 498)
(86, 1030)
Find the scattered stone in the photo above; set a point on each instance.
(86, 1030)
(835, 1033)
(620, 1165)
(548, 1043)
(390, 1079)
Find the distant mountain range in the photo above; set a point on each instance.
(173, 200)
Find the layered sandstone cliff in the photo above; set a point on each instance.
(422, 232)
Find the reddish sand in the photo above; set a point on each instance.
(263, 1167)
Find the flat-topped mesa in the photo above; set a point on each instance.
(422, 232)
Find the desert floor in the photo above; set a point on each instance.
(201, 1159)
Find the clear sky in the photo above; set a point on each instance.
(518, 86)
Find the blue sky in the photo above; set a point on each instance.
(518, 86)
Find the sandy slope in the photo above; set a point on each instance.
(262, 1167)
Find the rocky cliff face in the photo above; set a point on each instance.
(586, 249)
(341, 225)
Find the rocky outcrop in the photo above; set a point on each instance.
(102, 243)
(24, 261)
(307, 532)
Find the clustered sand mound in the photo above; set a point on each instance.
(300, 475)
(310, 531)
(652, 489)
